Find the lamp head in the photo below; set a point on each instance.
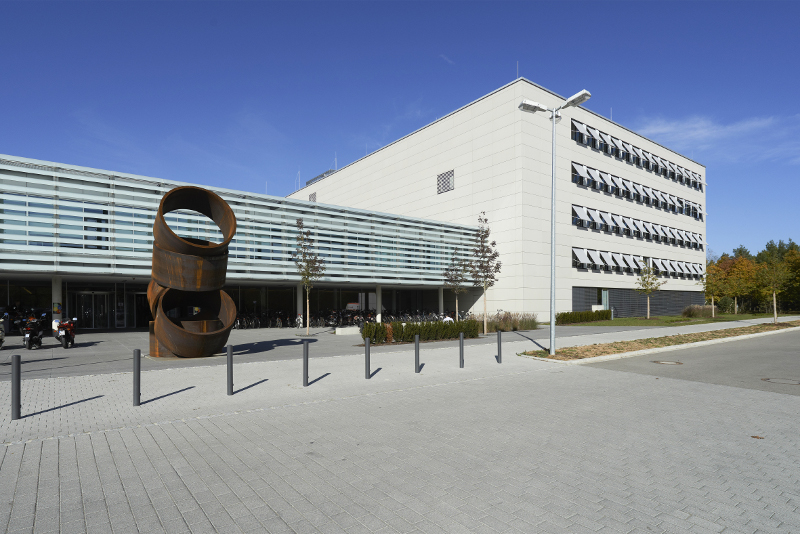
(577, 99)
(531, 107)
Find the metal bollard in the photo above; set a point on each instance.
(137, 377)
(416, 353)
(305, 362)
(366, 358)
(461, 350)
(499, 348)
(16, 386)
(230, 369)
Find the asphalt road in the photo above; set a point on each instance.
(770, 363)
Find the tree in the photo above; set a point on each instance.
(309, 265)
(740, 279)
(455, 276)
(742, 252)
(773, 276)
(713, 283)
(648, 283)
(772, 251)
(484, 266)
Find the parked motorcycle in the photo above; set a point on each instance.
(3, 329)
(33, 331)
(66, 332)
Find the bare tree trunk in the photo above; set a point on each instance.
(648, 306)
(774, 308)
(485, 320)
(308, 310)
(735, 306)
(456, 306)
(712, 307)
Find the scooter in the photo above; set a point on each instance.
(34, 328)
(66, 332)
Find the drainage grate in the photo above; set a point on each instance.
(668, 363)
(787, 381)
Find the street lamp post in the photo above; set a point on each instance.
(532, 107)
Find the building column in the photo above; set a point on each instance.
(300, 298)
(378, 304)
(57, 301)
(441, 300)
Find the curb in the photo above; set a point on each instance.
(631, 354)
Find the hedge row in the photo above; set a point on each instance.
(397, 332)
(582, 316)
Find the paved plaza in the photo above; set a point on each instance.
(520, 446)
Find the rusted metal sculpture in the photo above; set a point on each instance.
(188, 274)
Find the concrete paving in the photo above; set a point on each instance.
(110, 352)
(523, 446)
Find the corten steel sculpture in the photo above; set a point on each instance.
(189, 274)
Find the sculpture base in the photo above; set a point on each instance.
(157, 350)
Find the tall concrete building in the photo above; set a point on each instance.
(622, 201)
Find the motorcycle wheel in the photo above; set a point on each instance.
(28, 343)
(64, 341)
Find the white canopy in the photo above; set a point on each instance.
(607, 258)
(628, 185)
(607, 218)
(639, 224)
(647, 156)
(595, 257)
(658, 264)
(618, 259)
(638, 152)
(638, 188)
(617, 143)
(581, 254)
(692, 236)
(595, 174)
(673, 200)
(580, 126)
(681, 171)
(580, 169)
(682, 236)
(640, 261)
(629, 261)
(580, 211)
(627, 147)
(647, 191)
(618, 220)
(606, 138)
(671, 166)
(595, 215)
(594, 133)
(647, 227)
(618, 182)
(673, 267)
(629, 223)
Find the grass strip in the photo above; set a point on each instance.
(618, 347)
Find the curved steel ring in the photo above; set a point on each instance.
(203, 201)
(198, 335)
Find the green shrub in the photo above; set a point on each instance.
(582, 316)
(695, 310)
(726, 305)
(376, 332)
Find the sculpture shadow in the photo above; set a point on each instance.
(375, 372)
(243, 349)
(167, 395)
(318, 379)
(62, 406)
(250, 386)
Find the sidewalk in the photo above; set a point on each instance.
(522, 446)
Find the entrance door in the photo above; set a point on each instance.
(92, 310)
(143, 315)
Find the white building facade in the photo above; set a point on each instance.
(79, 240)
(622, 201)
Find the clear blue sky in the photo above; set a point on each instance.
(237, 94)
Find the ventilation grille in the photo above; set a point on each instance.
(312, 197)
(445, 182)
